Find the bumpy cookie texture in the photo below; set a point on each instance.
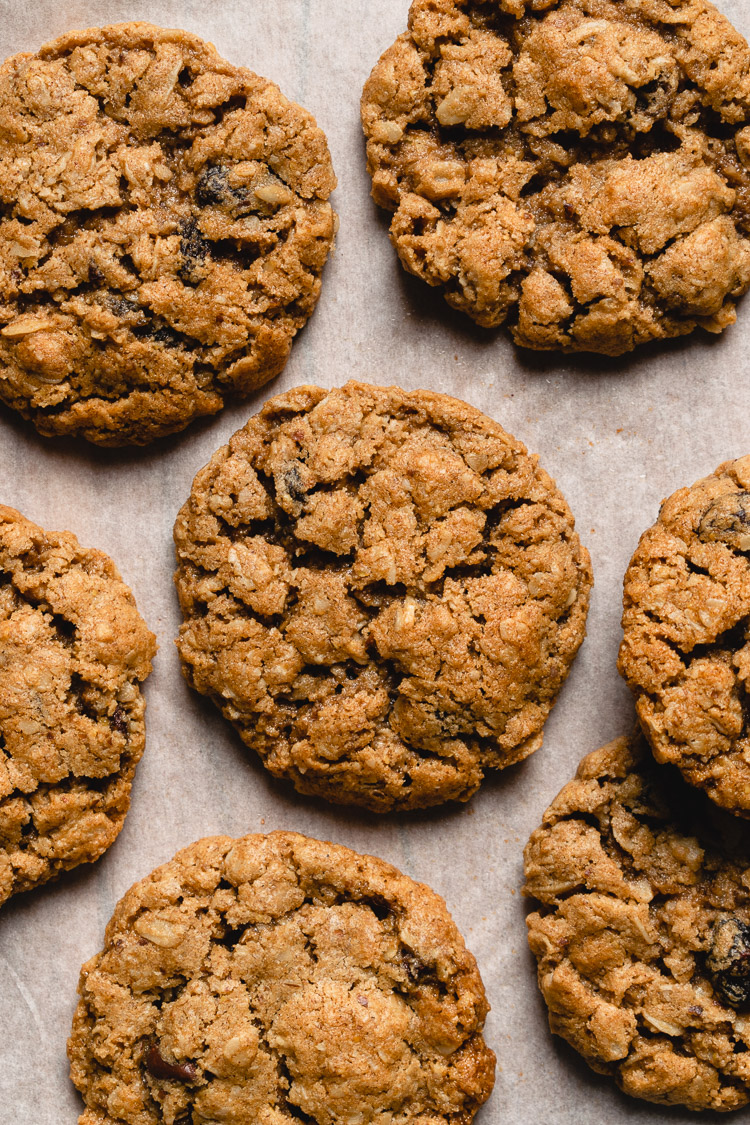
(276, 979)
(73, 650)
(382, 591)
(686, 647)
(578, 169)
(642, 935)
(164, 221)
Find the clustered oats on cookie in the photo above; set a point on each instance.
(279, 979)
(73, 652)
(685, 651)
(383, 592)
(577, 169)
(164, 221)
(642, 931)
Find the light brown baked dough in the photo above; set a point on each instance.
(643, 934)
(382, 591)
(73, 651)
(279, 979)
(685, 652)
(164, 221)
(577, 169)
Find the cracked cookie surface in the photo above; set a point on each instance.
(577, 169)
(685, 652)
(642, 934)
(275, 979)
(73, 650)
(382, 591)
(164, 221)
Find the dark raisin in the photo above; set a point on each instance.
(412, 965)
(194, 249)
(124, 307)
(166, 1071)
(118, 722)
(293, 485)
(728, 521)
(162, 334)
(213, 189)
(96, 277)
(729, 961)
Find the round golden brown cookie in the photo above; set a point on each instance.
(73, 650)
(164, 221)
(685, 652)
(643, 934)
(275, 979)
(382, 591)
(579, 169)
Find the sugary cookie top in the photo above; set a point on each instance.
(382, 590)
(163, 225)
(577, 168)
(686, 622)
(643, 934)
(277, 978)
(73, 650)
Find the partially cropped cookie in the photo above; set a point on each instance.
(642, 935)
(164, 221)
(685, 652)
(73, 652)
(277, 978)
(577, 169)
(383, 592)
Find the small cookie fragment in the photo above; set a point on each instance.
(685, 652)
(73, 652)
(576, 169)
(642, 933)
(164, 222)
(382, 591)
(277, 978)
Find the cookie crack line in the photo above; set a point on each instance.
(97, 199)
(516, 150)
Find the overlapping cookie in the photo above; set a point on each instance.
(685, 651)
(277, 978)
(577, 169)
(383, 592)
(642, 935)
(73, 651)
(164, 221)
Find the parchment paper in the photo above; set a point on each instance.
(617, 435)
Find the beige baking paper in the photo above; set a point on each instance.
(617, 435)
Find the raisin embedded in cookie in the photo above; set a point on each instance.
(685, 652)
(164, 221)
(643, 933)
(579, 169)
(275, 979)
(382, 591)
(73, 651)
